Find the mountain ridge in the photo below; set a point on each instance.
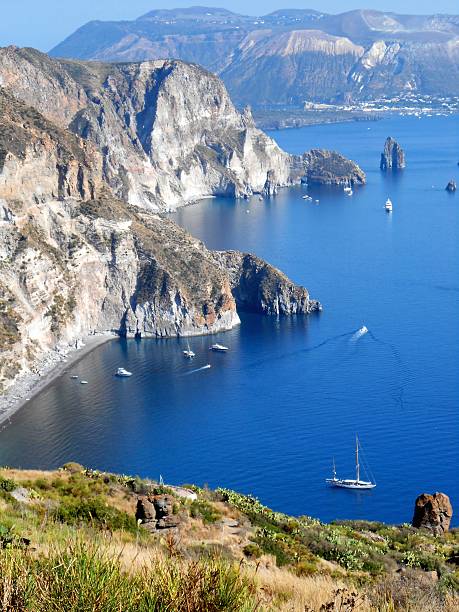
(423, 58)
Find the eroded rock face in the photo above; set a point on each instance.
(259, 287)
(393, 156)
(78, 260)
(330, 168)
(167, 131)
(433, 512)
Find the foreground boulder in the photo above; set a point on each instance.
(393, 156)
(157, 512)
(433, 512)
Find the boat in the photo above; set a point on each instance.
(74, 377)
(188, 353)
(83, 382)
(219, 348)
(349, 483)
(307, 197)
(348, 190)
(388, 205)
(123, 373)
(363, 330)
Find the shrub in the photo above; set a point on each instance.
(205, 511)
(7, 485)
(96, 513)
(252, 551)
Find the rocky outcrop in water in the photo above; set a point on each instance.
(393, 156)
(330, 168)
(433, 512)
(259, 287)
(451, 186)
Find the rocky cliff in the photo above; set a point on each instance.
(167, 131)
(75, 259)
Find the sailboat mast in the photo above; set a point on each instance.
(357, 466)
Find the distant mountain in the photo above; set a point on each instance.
(290, 55)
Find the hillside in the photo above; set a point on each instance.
(73, 540)
(354, 56)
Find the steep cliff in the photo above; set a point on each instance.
(168, 131)
(75, 260)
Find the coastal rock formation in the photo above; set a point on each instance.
(157, 512)
(72, 266)
(331, 168)
(451, 186)
(433, 512)
(167, 132)
(259, 287)
(393, 156)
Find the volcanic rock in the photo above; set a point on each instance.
(433, 512)
(393, 156)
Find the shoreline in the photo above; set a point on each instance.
(53, 365)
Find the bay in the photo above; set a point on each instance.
(268, 417)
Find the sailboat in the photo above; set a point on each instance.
(349, 483)
(188, 353)
(388, 205)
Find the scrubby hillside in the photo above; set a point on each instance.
(70, 541)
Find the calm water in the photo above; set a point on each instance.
(268, 416)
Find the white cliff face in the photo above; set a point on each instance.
(75, 257)
(168, 131)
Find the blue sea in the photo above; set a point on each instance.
(268, 417)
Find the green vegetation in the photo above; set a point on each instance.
(73, 544)
(82, 579)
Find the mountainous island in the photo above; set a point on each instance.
(351, 58)
(99, 141)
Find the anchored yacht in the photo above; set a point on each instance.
(219, 348)
(123, 373)
(349, 483)
(388, 205)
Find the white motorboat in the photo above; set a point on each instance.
(307, 197)
(349, 483)
(348, 190)
(83, 382)
(188, 353)
(219, 348)
(74, 377)
(123, 373)
(363, 330)
(388, 205)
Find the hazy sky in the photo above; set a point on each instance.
(44, 23)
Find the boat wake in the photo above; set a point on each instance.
(206, 367)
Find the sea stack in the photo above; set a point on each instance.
(433, 512)
(451, 186)
(393, 156)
